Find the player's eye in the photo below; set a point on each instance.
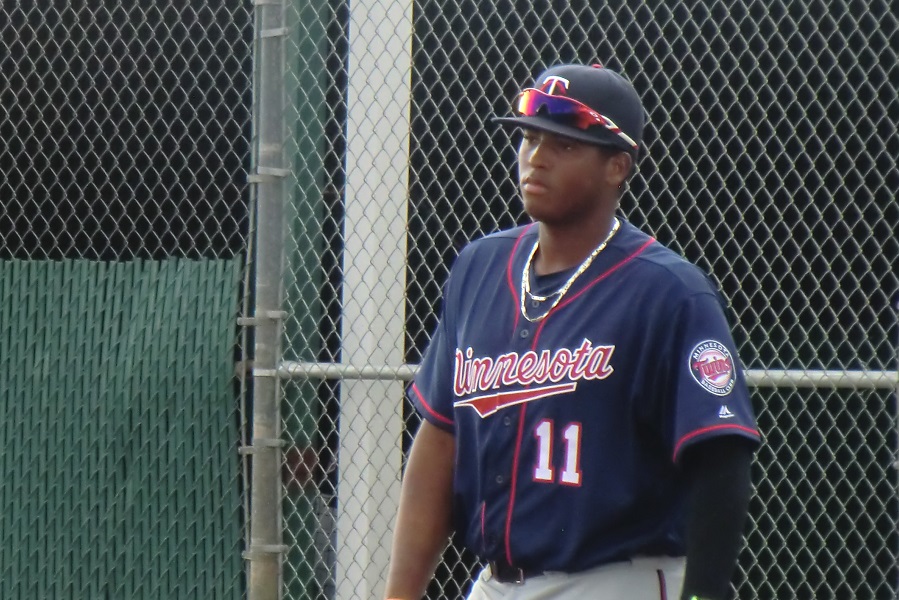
(528, 137)
(564, 144)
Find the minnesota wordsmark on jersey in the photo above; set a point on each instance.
(477, 375)
(560, 425)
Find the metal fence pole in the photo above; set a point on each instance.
(896, 394)
(266, 549)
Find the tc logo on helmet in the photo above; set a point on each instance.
(712, 367)
(555, 85)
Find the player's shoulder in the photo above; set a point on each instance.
(505, 238)
(667, 269)
(494, 246)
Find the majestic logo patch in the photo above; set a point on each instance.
(712, 367)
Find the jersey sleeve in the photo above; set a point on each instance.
(709, 393)
(431, 390)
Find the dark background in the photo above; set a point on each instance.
(124, 131)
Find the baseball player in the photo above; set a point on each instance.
(587, 430)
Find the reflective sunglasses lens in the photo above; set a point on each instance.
(532, 101)
(527, 103)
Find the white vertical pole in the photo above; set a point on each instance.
(378, 129)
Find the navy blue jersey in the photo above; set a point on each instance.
(568, 430)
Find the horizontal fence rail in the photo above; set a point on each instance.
(758, 378)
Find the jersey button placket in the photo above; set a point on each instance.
(524, 333)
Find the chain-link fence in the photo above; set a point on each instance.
(125, 135)
(146, 137)
(771, 163)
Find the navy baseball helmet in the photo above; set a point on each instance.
(587, 103)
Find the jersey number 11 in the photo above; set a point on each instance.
(571, 469)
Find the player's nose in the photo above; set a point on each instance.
(536, 151)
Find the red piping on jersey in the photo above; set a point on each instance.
(612, 269)
(515, 300)
(702, 430)
(509, 278)
(608, 272)
(663, 590)
(427, 406)
(514, 479)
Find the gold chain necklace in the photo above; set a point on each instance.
(560, 293)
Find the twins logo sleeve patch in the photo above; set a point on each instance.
(712, 367)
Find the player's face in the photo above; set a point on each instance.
(564, 181)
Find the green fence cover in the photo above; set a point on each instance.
(118, 468)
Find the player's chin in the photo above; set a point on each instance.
(537, 206)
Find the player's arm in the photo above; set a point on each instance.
(424, 518)
(719, 475)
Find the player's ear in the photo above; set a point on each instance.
(619, 168)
